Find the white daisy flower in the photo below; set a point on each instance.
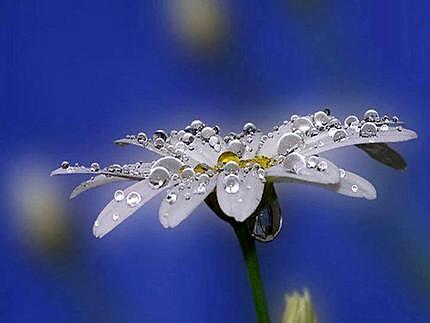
(235, 174)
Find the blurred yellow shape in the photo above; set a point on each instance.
(299, 309)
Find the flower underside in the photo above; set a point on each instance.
(235, 173)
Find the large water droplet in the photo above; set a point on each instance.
(288, 142)
(303, 124)
(158, 176)
(249, 128)
(294, 162)
(231, 184)
(207, 132)
(268, 222)
(231, 166)
(371, 115)
(133, 199)
(351, 120)
(368, 129)
(340, 135)
(197, 124)
(237, 147)
(321, 119)
(95, 167)
(213, 141)
(160, 134)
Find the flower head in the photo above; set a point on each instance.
(238, 171)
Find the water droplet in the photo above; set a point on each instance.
(322, 165)
(303, 124)
(268, 222)
(321, 119)
(133, 199)
(115, 217)
(231, 184)
(213, 141)
(249, 128)
(231, 166)
(342, 173)
(312, 161)
(204, 179)
(371, 115)
(158, 176)
(288, 142)
(118, 196)
(65, 164)
(207, 133)
(368, 129)
(236, 146)
(197, 124)
(95, 167)
(141, 137)
(171, 197)
(351, 120)
(96, 224)
(201, 189)
(187, 173)
(294, 117)
(261, 174)
(160, 134)
(354, 188)
(340, 135)
(384, 127)
(294, 162)
(187, 138)
(159, 143)
(270, 134)
(187, 196)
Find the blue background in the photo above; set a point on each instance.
(74, 75)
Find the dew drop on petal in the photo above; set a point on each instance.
(321, 119)
(293, 162)
(158, 176)
(231, 184)
(384, 127)
(354, 188)
(371, 115)
(159, 143)
(65, 164)
(207, 133)
(231, 166)
(249, 128)
(342, 173)
(340, 135)
(171, 197)
(95, 167)
(236, 146)
(351, 120)
(141, 137)
(368, 129)
(312, 161)
(118, 196)
(115, 217)
(303, 124)
(322, 165)
(288, 142)
(133, 199)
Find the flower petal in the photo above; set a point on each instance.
(326, 140)
(311, 169)
(93, 183)
(384, 154)
(116, 212)
(239, 195)
(351, 184)
(179, 204)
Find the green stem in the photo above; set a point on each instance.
(247, 244)
(249, 252)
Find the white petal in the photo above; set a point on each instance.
(116, 212)
(93, 183)
(324, 141)
(203, 152)
(329, 174)
(239, 202)
(179, 204)
(147, 145)
(351, 184)
(72, 170)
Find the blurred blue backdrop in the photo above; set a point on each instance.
(74, 75)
